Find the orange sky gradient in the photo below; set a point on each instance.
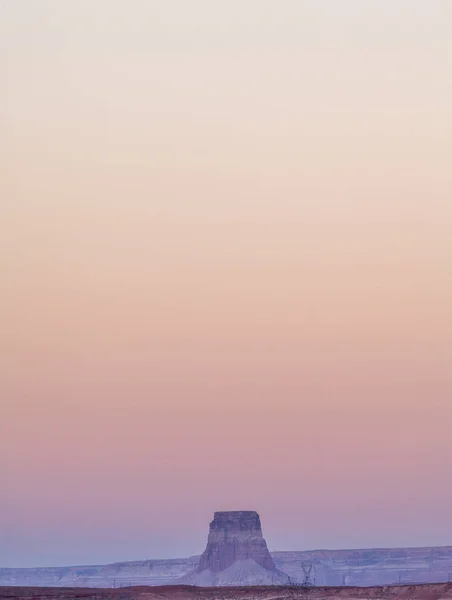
(226, 259)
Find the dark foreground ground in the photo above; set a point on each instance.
(428, 591)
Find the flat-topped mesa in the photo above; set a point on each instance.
(235, 536)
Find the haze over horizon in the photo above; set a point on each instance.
(226, 260)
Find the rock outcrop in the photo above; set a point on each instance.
(235, 536)
(236, 553)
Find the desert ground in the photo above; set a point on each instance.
(437, 591)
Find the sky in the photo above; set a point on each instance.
(226, 274)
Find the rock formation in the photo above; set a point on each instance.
(236, 553)
(235, 536)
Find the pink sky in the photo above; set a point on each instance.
(226, 262)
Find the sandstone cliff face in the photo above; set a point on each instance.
(236, 554)
(235, 536)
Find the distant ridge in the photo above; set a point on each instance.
(359, 567)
